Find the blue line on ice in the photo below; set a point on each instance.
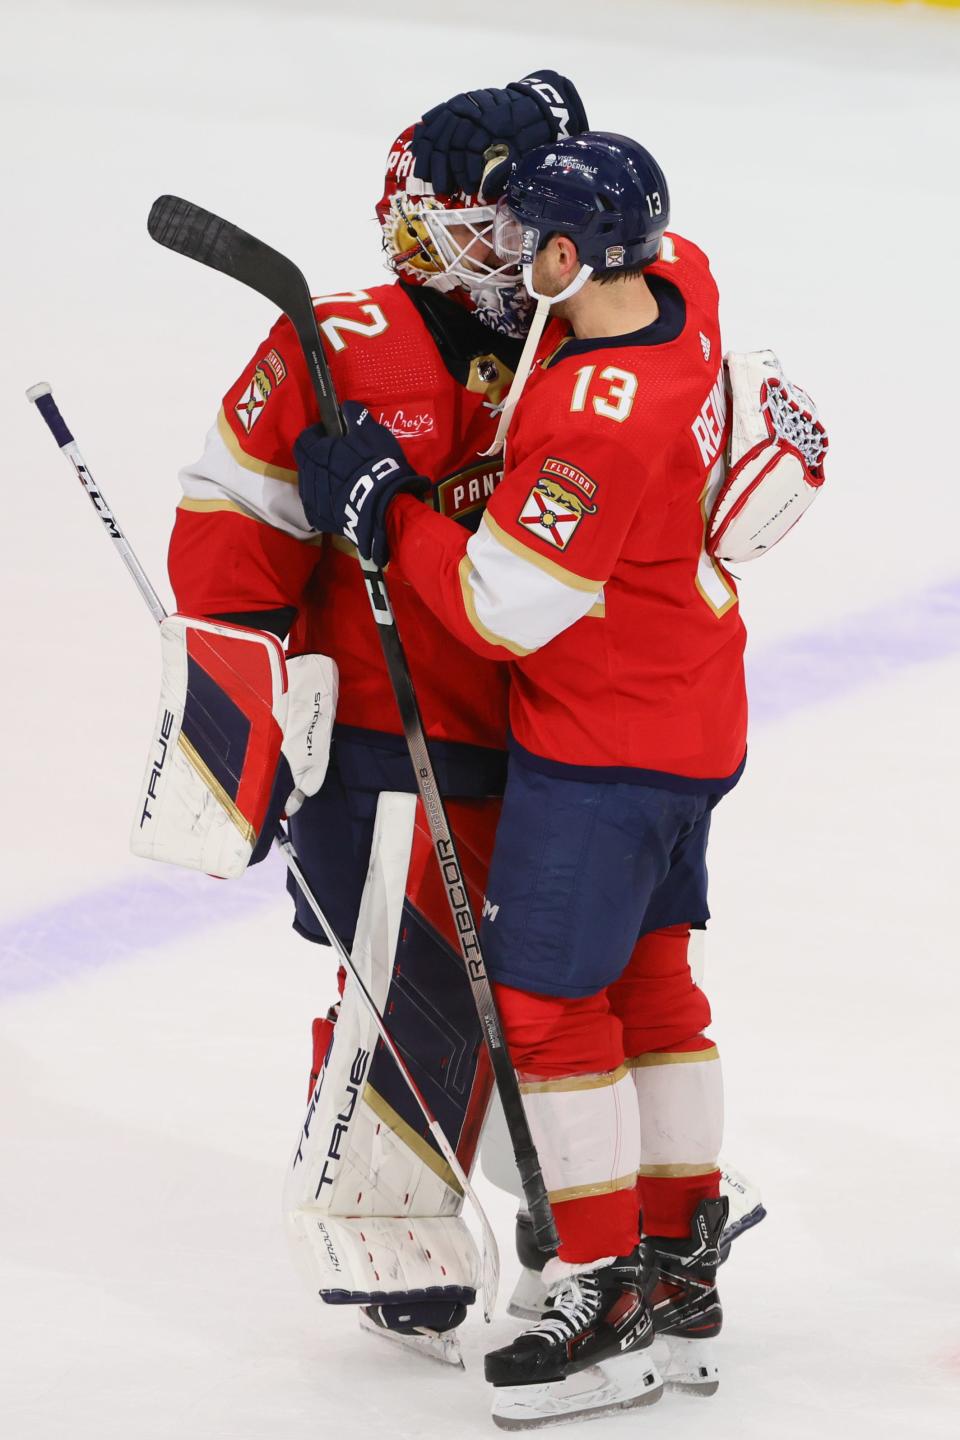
(116, 922)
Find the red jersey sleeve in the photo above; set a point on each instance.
(548, 541)
(241, 541)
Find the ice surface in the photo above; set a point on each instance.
(154, 1027)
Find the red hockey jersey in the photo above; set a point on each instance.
(241, 542)
(588, 571)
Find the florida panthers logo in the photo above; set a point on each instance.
(552, 511)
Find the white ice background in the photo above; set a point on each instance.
(150, 1091)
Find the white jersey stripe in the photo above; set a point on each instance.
(250, 462)
(514, 601)
(533, 557)
(264, 492)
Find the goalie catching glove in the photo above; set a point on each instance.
(232, 710)
(775, 461)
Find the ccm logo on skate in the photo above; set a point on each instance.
(162, 740)
(342, 1123)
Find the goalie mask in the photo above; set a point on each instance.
(446, 243)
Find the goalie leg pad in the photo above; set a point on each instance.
(373, 1210)
(383, 1260)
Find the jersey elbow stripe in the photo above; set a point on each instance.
(230, 507)
(219, 479)
(466, 572)
(250, 462)
(513, 603)
(543, 562)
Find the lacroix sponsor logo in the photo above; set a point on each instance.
(409, 424)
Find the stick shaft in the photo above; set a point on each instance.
(42, 396)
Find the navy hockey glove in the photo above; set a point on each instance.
(450, 142)
(347, 482)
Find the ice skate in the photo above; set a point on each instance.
(427, 1329)
(679, 1284)
(588, 1356)
(530, 1293)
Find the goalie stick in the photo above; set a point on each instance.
(41, 395)
(196, 233)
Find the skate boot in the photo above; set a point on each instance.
(588, 1355)
(679, 1280)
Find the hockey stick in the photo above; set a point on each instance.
(42, 396)
(201, 236)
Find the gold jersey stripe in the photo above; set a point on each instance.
(600, 1187)
(566, 577)
(675, 1057)
(259, 467)
(470, 605)
(213, 784)
(675, 1172)
(411, 1139)
(573, 1082)
(209, 507)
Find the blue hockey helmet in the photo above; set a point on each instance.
(605, 191)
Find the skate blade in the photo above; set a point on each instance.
(624, 1382)
(688, 1367)
(444, 1349)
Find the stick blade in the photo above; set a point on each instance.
(200, 235)
(192, 231)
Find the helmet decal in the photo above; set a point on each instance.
(605, 191)
(446, 242)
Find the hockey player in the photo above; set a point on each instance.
(590, 577)
(432, 353)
